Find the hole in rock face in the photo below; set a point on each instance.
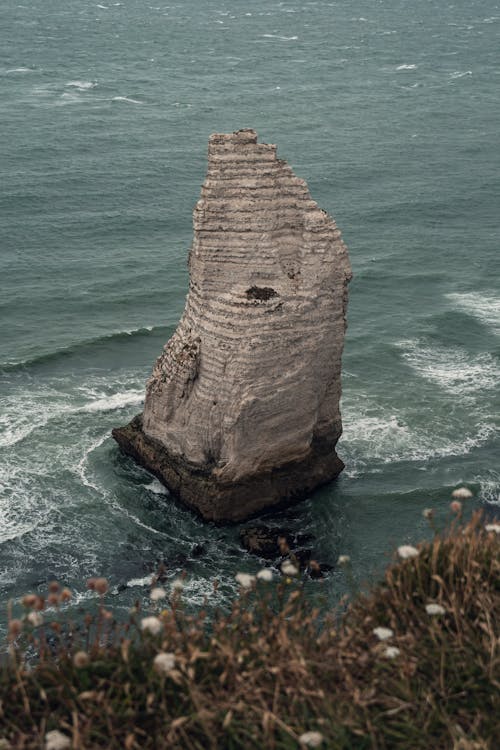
(261, 292)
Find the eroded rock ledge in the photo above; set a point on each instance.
(242, 408)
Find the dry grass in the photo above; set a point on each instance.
(273, 668)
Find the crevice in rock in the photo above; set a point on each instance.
(261, 293)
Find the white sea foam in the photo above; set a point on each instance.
(145, 581)
(482, 306)
(126, 99)
(82, 85)
(460, 74)
(196, 590)
(69, 97)
(281, 38)
(490, 488)
(114, 401)
(121, 510)
(407, 66)
(451, 368)
(20, 70)
(22, 416)
(373, 435)
(33, 408)
(81, 467)
(21, 510)
(156, 487)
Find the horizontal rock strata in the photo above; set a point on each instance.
(242, 408)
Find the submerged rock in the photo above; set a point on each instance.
(277, 543)
(242, 408)
(271, 542)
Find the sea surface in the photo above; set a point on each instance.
(390, 110)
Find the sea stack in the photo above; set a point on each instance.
(242, 408)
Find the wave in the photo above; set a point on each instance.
(19, 70)
(77, 346)
(407, 66)
(481, 306)
(451, 368)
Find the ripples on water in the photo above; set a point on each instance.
(392, 117)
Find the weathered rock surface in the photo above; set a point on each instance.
(242, 408)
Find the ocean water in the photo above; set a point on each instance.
(390, 110)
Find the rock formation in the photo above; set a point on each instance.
(242, 408)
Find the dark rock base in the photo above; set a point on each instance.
(222, 502)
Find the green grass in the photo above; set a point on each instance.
(275, 668)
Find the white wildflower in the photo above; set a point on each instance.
(35, 619)
(311, 739)
(383, 634)
(343, 560)
(81, 659)
(391, 652)
(427, 512)
(245, 580)
(493, 527)
(266, 574)
(461, 493)
(177, 584)
(163, 663)
(151, 625)
(56, 740)
(289, 569)
(406, 551)
(434, 609)
(157, 593)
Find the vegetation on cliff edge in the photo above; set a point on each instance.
(412, 664)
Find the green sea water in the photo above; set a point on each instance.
(390, 110)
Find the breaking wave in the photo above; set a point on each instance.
(374, 435)
(114, 401)
(24, 413)
(451, 368)
(80, 346)
(484, 307)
